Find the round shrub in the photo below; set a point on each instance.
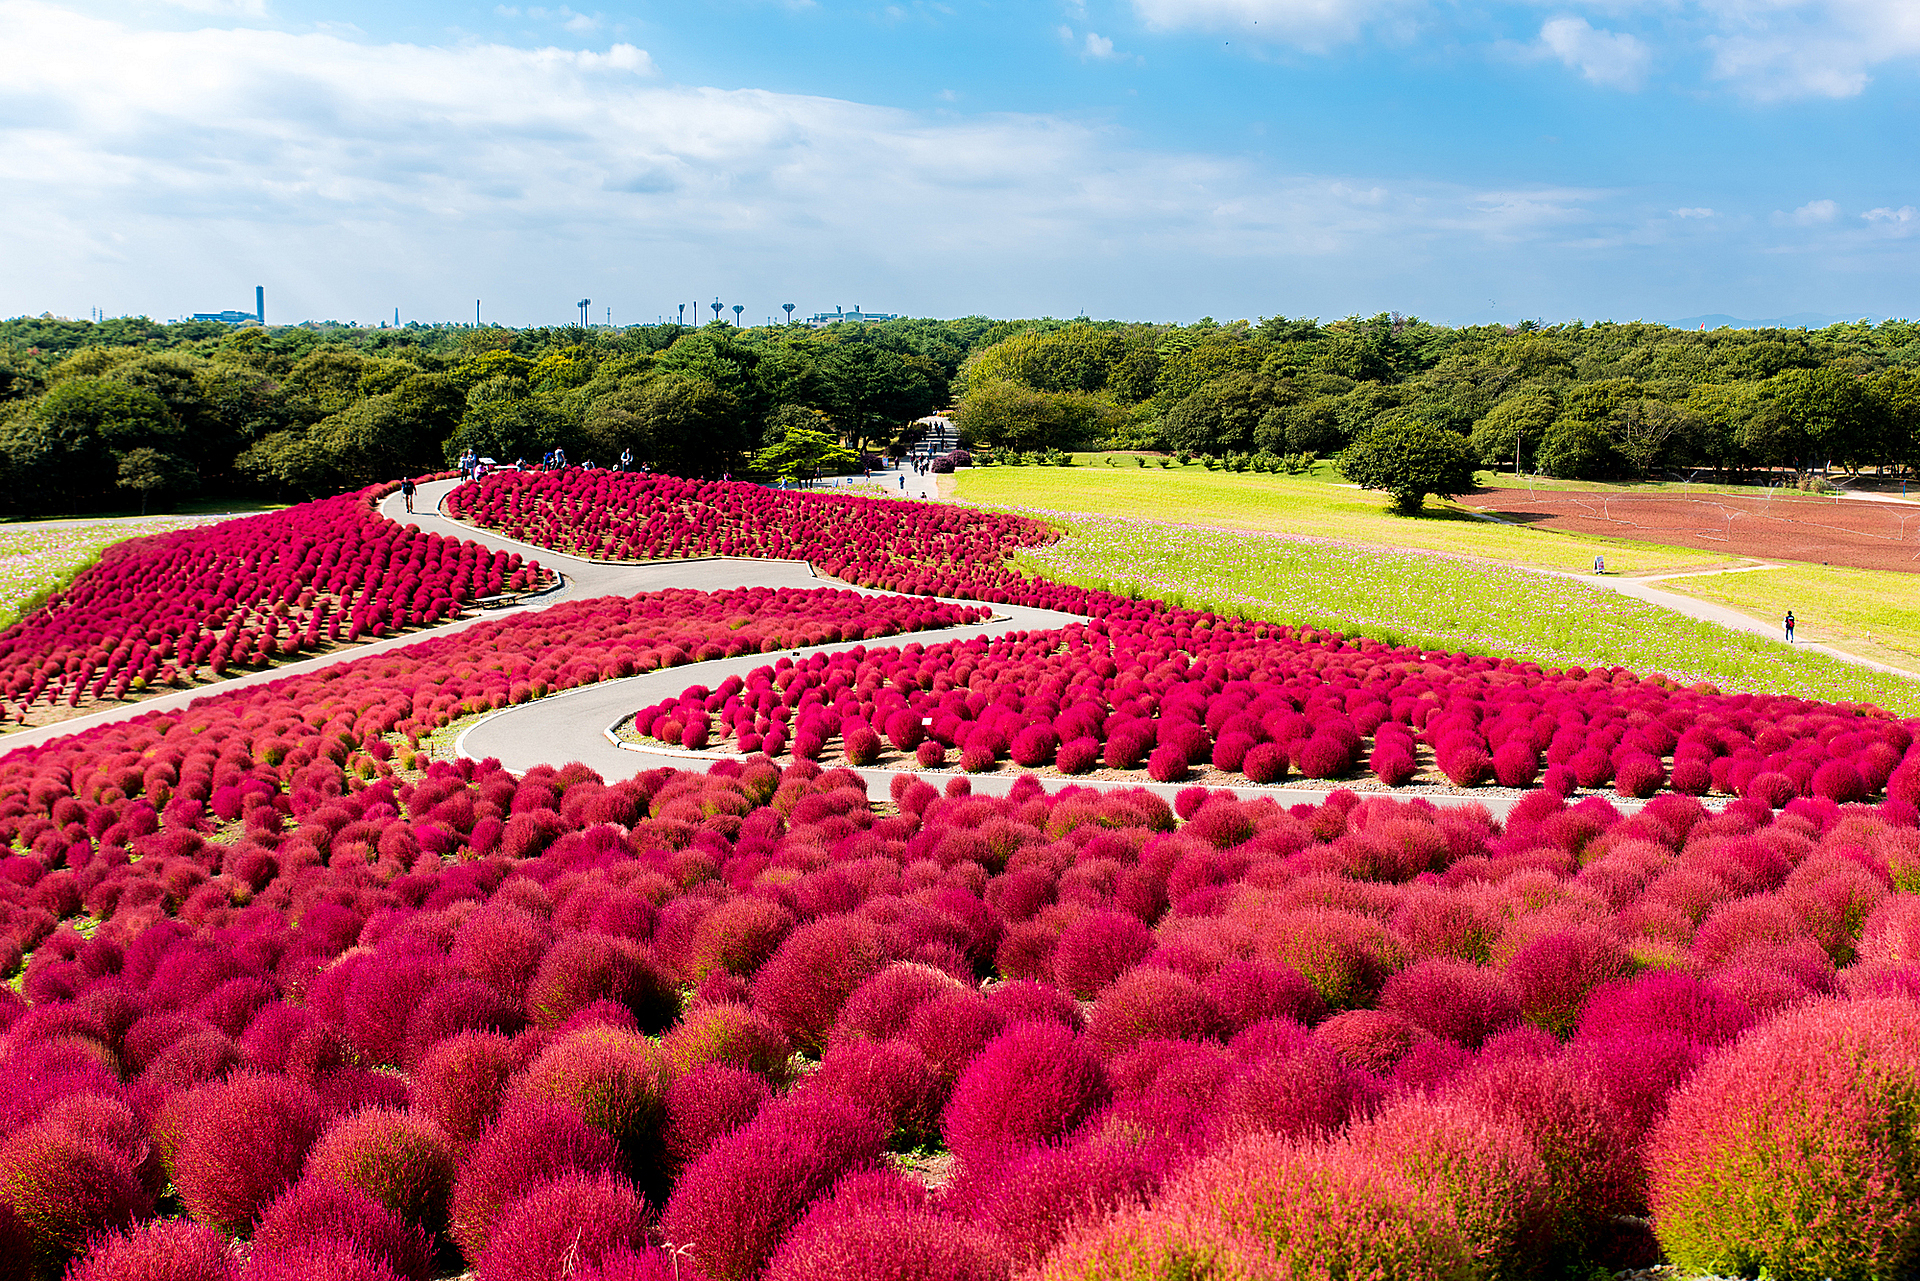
(1484, 1173)
(732, 1206)
(1248, 992)
(1515, 763)
(1034, 746)
(705, 1104)
(531, 1144)
(561, 1227)
(882, 1006)
(890, 1077)
(1839, 781)
(1097, 949)
(1369, 1040)
(1552, 976)
(1031, 1084)
(243, 1142)
(313, 1214)
(803, 985)
(727, 1032)
(403, 1161)
(862, 745)
(1794, 1149)
(1167, 763)
(163, 1250)
(1077, 756)
(1294, 1086)
(930, 755)
(1324, 1211)
(1265, 763)
(66, 1187)
(1458, 1000)
(1323, 756)
(459, 1083)
(580, 969)
(616, 1080)
(1638, 775)
(1149, 1003)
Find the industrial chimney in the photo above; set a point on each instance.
(260, 303)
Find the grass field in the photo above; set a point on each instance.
(1872, 613)
(1442, 603)
(1308, 505)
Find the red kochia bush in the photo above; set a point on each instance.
(460, 1082)
(243, 1142)
(561, 1227)
(732, 1206)
(1032, 1083)
(804, 984)
(164, 1250)
(886, 1243)
(1151, 1003)
(403, 1161)
(615, 1079)
(705, 1104)
(1324, 1212)
(329, 1260)
(532, 1143)
(1455, 999)
(313, 1214)
(66, 1187)
(1097, 949)
(892, 1079)
(1794, 1150)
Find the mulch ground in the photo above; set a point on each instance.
(1864, 535)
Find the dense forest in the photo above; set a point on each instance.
(1574, 400)
(129, 411)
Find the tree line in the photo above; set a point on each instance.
(107, 415)
(101, 416)
(1571, 400)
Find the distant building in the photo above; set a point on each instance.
(857, 316)
(258, 314)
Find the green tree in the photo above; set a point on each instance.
(147, 472)
(1012, 415)
(288, 463)
(1409, 460)
(1220, 416)
(1518, 420)
(1577, 448)
(802, 454)
(1815, 415)
(62, 452)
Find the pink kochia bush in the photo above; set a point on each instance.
(172, 607)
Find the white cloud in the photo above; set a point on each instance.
(1309, 24)
(1609, 58)
(1904, 214)
(1809, 48)
(1098, 46)
(1814, 213)
(1696, 212)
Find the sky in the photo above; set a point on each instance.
(1139, 159)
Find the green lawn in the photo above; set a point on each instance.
(1440, 602)
(1870, 612)
(1316, 506)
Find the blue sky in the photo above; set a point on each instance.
(1147, 159)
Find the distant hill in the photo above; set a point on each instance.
(1799, 320)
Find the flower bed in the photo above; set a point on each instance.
(1175, 692)
(175, 608)
(920, 548)
(555, 1019)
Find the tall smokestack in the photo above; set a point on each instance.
(260, 303)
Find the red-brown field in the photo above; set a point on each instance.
(1864, 535)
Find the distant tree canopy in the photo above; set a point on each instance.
(1573, 400)
(307, 410)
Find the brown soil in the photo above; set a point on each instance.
(1822, 531)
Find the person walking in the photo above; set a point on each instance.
(626, 460)
(406, 492)
(1789, 627)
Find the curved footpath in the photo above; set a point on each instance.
(578, 724)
